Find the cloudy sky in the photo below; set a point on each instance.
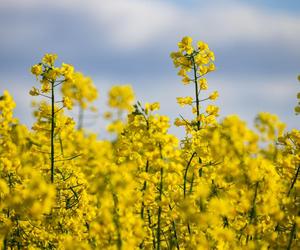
(256, 43)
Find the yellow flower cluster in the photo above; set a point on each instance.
(80, 90)
(120, 99)
(194, 64)
(223, 186)
(297, 108)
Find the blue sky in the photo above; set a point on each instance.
(129, 41)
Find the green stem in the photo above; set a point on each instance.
(294, 180)
(158, 233)
(291, 237)
(253, 209)
(5, 245)
(117, 222)
(150, 226)
(192, 183)
(143, 203)
(174, 230)
(52, 132)
(185, 174)
(185, 182)
(189, 228)
(143, 189)
(175, 234)
(196, 92)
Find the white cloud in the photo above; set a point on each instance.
(128, 23)
(233, 23)
(134, 23)
(137, 23)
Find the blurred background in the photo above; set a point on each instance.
(256, 44)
